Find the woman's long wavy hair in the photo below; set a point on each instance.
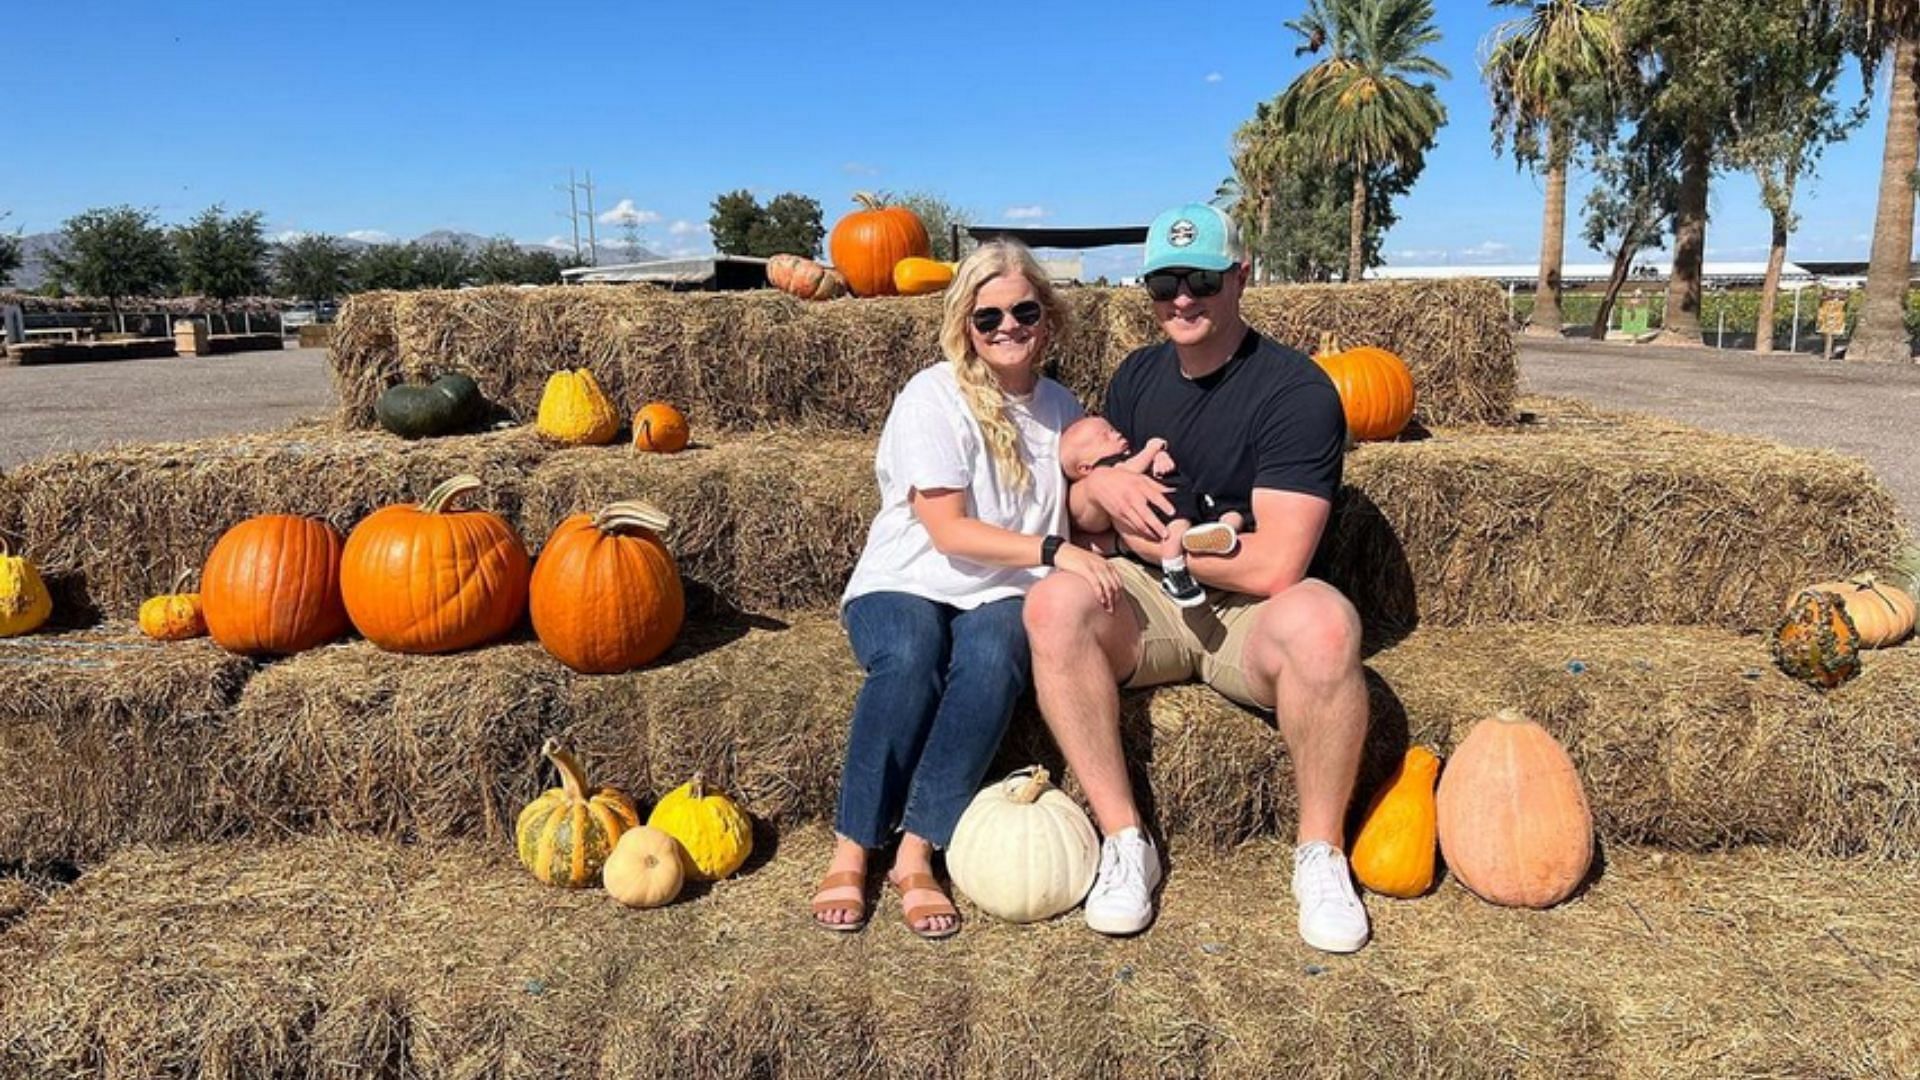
(984, 397)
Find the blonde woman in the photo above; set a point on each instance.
(973, 513)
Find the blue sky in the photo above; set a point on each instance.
(389, 120)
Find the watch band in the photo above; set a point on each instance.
(1050, 549)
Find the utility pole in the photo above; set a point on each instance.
(573, 212)
(593, 243)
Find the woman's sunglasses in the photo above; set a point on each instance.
(1164, 285)
(1026, 313)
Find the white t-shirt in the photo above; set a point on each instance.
(932, 441)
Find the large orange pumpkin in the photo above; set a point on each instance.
(1376, 389)
(432, 579)
(271, 586)
(1513, 817)
(866, 243)
(1882, 613)
(606, 593)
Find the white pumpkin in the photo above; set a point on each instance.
(1023, 851)
(644, 870)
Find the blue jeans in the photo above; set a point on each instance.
(941, 685)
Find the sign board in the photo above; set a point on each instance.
(1635, 318)
(1833, 316)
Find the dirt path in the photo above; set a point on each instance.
(1865, 410)
(49, 408)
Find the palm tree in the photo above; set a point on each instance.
(1358, 107)
(1258, 154)
(1890, 26)
(1536, 65)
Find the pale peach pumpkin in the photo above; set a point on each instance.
(1513, 817)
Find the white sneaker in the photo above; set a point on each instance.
(1331, 916)
(1122, 898)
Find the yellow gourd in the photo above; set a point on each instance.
(174, 616)
(24, 600)
(715, 834)
(645, 869)
(1393, 853)
(914, 276)
(575, 411)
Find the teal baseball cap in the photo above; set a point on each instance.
(1194, 236)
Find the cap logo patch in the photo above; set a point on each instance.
(1181, 233)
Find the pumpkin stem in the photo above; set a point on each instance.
(630, 514)
(697, 787)
(437, 499)
(1035, 786)
(1329, 343)
(4, 549)
(1509, 716)
(180, 582)
(572, 776)
(869, 200)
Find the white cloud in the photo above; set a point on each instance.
(1025, 213)
(859, 168)
(1419, 253)
(1485, 249)
(289, 236)
(564, 243)
(684, 228)
(626, 212)
(370, 236)
(1214, 77)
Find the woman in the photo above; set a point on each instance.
(973, 509)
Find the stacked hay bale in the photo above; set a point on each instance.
(353, 908)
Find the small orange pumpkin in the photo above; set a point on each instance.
(174, 616)
(660, 428)
(606, 594)
(1881, 613)
(1816, 641)
(867, 243)
(1376, 388)
(271, 586)
(428, 578)
(566, 835)
(1512, 815)
(804, 278)
(1393, 852)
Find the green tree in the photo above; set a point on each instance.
(222, 258)
(1358, 108)
(1783, 123)
(790, 225)
(939, 216)
(313, 268)
(734, 216)
(386, 266)
(113, 252)
(10, 257)
(1295, 213)
(1634, 191)
(502, 262)
(1888, 31)
(1543, 67)
(440, 266)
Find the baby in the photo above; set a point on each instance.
(1090, 443)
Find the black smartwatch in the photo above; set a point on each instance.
(1050, 548)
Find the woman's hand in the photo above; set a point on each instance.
(1095, 569)
(1128, 500)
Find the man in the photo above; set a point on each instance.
(1246, 420)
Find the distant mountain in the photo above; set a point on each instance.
(34, 249)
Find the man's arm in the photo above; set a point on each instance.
(1110, 498)
(1268, 561)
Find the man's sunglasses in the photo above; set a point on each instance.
(1164, 285)
(1026, 313)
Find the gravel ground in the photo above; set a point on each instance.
(48, 408)
(1865, 410)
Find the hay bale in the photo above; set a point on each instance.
(104, 739)
(351, 738)
(112, 527)
(1685, 737)
(317, 957)
(209, 962)
(740, 361)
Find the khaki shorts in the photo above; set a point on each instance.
(1178, 644)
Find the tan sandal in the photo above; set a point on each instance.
(842, 879)
(915, 913)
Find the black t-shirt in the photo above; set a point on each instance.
(1268, 418)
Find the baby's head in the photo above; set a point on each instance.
(1085, 442)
